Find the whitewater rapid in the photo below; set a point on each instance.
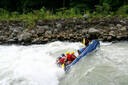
(35, 65)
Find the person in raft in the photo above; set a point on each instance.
(87, 41)
(61, 59)
(73, 56)
(69, 57)
(58, 60)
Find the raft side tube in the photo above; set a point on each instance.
(92, 46)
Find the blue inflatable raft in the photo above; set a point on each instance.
(92, 46)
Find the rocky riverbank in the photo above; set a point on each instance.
(73, 29)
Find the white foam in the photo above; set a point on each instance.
(28, 65)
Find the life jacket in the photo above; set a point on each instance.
(62, 60)
(69, 57)
(82, 49)
(73, 57)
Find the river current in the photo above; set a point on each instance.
(36, 65)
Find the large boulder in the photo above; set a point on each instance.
(93, 30)
(112, 33)
(42, 29)
(48, 33)
(59, 25)
(85, 16)
(119, 25)
(123, 29)
(1, 38)
(25, 36)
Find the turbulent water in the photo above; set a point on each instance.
(35, 65)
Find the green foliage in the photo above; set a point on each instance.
(42, 12)
(84, 4)
(123, 10)
(79, 8)
(33, 10)
(14, 15)
(68, 13)
(4, 14)
(104, 9)
(115, 4)
(35, 15)
(25, 6)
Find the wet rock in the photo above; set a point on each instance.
(74, 19)
(33, 31)
(59, 25)
(111, 25)
(11, 40)
(52, 40)
(16, 29)
(45, 40)
(84, 30)
(55, 30)
(73, 29)
(36, 41)
(39, 31)
(24, 36)
(109, 38)
(14, 34)
(85, 16)
(1, 38)
(119, 25)
(40, 22)
(123, 29)
(70, 35)
(119, 37)
(79, 27)
(49, 32)
(113, 28)
(112, 33)
(123, 21)
(66, 27)
(85, 23)
(93, 30)
(43, 27)
(105, 38)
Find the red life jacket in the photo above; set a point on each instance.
(73, 57)
(62, 60)
(69, 57)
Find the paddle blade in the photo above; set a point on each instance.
(83, 42)
(62, 65)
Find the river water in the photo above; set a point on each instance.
(35, 65)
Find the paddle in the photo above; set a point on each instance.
(84, 42)
(62, 65)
